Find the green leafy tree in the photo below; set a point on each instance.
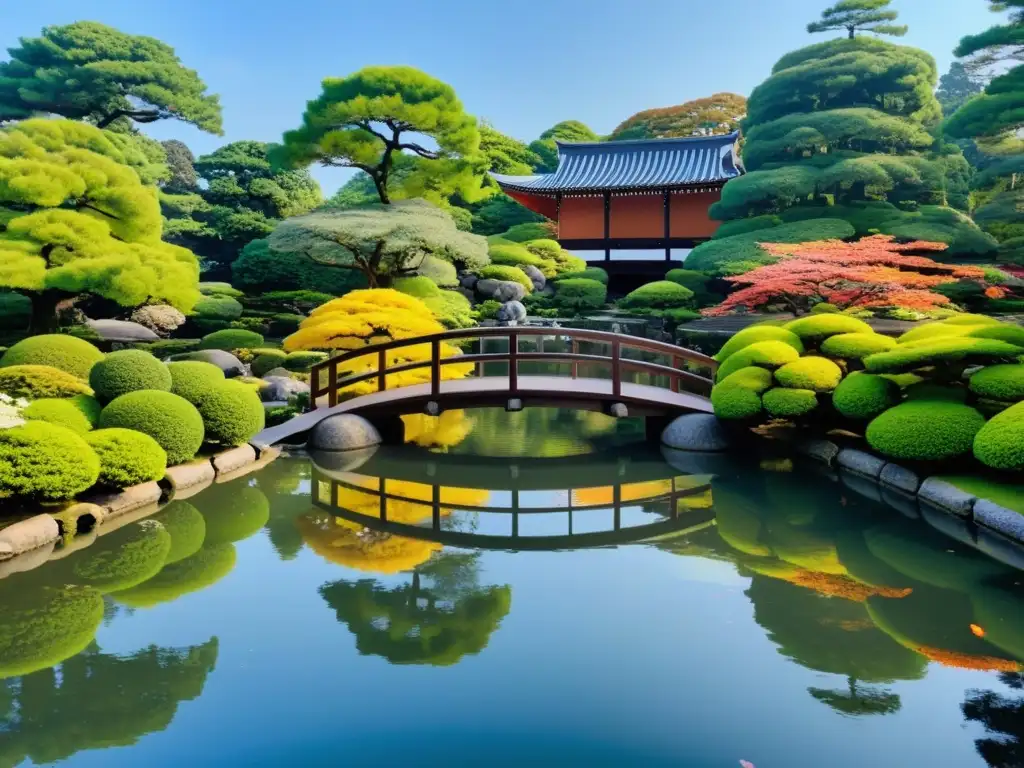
(89, 71)
(956, 87)
(859, 16)
(381, 241)
(1002, 717)
(442, 615)
(720, 113)
(181, 165)
(76, 219)
(546, 148)
(369, 118)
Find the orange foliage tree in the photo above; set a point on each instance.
(875, 272)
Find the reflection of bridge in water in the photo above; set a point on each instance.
(429, 499)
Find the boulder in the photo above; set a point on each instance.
(999, 518)
(536, 277)
(26, 535)
(234, 459)
(279, 372)
(947, 497)
(281, 389)
(121, 330)
(900, 478)
(861, 463)
(512, 312)
(228, 363)
(468, 282)
(500, 290)
(696, 432)
(343, 432)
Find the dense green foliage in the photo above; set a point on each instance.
(225, 308)
(815, 329)
(89, 71)
(451, 308)
(231, 411)
(302, 361)
(579, 294)
(259, 269)
(863, 396)
(766, 354)
(818, 374)
(907, 357)
(925, 430)
(1000, 382)
(15, 311)
(720, 113)
(855, 16)
(546, 149)
(856, 346)
(66, 353)
(1000, 443)
(231, 338)
(35, 381)
(698, 282)
(191, 377)
(740, 253)
(79, 413)
(266, 360)
(738, 396)
(45, 462)
(507, 273)
(168, 418)
(127, 370)
(754, 334)
(127, 457)
(783, 402)
(661, 294)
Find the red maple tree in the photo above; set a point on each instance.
(875, 272)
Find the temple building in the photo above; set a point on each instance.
(649, 195)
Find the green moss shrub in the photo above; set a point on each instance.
(232, 412)
(661, 294)
(303, 362)
(191, 377)
(856, 346)
(697, 282)
(231, 338)
(970, 319)
(756, 333)
(507, 273)
(187, 528)
(223, 308)
(941, 351)
(823, 308)
(213, 288)
(127, 457)
(515, 255)
(36, 381)
(764, 354)
(45, 462)
(579, 294)
(815, 373)
(925, 430)
(814, 329)
(590, 273)
(738, 396)
(1012, 334)
(530, 230)
(67, 353)
(932, 331)
(863, 396)
(1000, 443)
(128, 370)
(782, 402)
(169, 419)
(266, 360)
(1000, 382)
(79, 413)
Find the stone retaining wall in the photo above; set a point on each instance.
(29, 543)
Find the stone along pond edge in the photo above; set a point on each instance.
(29, 543)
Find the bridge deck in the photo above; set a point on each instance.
(495, 390)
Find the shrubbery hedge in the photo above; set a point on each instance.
(128, 370)
(783, 402)
(856, 346)
(232, 412)
(67, 353)
(579, 294)
(45, 462)
(223, 308)
(79, 413)
(661, 294)
(738, 396)
(764, 354)
(1000, 443)
(863, 396)
(925, 430)
(815, 373)
(36, 381)
(1000, 382)
(756, 333)
(231, 338)
(944, 350)
(169, 419)
(127, 457)
(189, 378)
(814, 329)
(507, 273)
(301, 362)
(15, 311)
(266, 360)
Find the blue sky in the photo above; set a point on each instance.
(521, 65)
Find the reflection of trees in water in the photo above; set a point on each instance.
(98, 700)
(438, 433)
(1003, 718)
(283, 482)
(441, 615)
(858, 699)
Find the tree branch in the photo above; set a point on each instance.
(421, 151)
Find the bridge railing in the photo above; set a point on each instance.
(328, 378)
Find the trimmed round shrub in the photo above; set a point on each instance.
(969, 319)
(191, 377)
(738, 396)
(764, 354)
(507, 273)
(127, 457)
(15, 311)
(67, 353)
(187, 528)
(815, 373)
(79, 413)
(45, 462)
(814, 329)
(782, 402)
(214, 288)
(823, 308)
(590, 273)
(856, 346)
(930, 331)
(169, 419)
(1000, 443)
(1012, 334)
(231, 338)
(905, 357)
(756, 333)
(302, 362)
(232, 412)
(36, 381)
(223, 308)
(124, 558)
(1000, 382)
(579, 294)
(929, 390)
(925, 430)
(267, 360)
(863, 396)
(128, 370)
(661, 294)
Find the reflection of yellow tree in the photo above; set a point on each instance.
(437, 432)
(605, 494)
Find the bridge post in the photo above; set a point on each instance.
(332, 384)
(382, 366)
(435, 367)
(616, 368)
(513, 362)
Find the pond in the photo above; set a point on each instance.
(530, 588)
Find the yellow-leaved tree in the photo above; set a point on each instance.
(370, 317)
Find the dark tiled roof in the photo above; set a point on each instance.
(641, 164)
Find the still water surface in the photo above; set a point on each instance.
(692, 615)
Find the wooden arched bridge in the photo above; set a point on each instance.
(597, 370)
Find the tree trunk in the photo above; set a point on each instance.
(852, 30)
(44, 311)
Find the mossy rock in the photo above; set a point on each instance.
(203, 569)
(783, 403)
(1000, 443)
(1000, 614)
(814, 329)
(123, 558)
(763, 354)
(925, 430)
(856, 346)
(818, 374)
(909, 357)
(924, 557)
(1012, 334)
(1000, 382)
(233, 511)
(862, 396)
(187, 528)
(754, 334)
(738, 396)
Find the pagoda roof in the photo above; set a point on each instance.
(634, 165)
